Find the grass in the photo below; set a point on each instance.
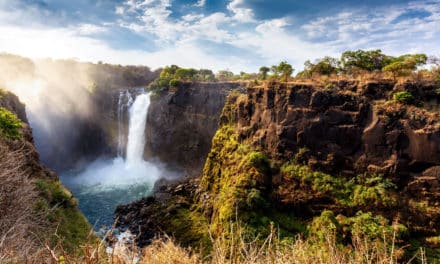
(240, 248)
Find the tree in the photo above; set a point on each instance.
(205, 75)
(285, 70)
(324, 66)
(405, 64)
(185, 74)
(368, 60)
(225, 75)
(169, 71)
(275, 71)
(263, 72)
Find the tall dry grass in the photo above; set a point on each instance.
(239, 248)
(20, 224)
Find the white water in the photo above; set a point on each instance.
(104, 184)
(125, 100)
(136, 130)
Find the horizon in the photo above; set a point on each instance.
(238, 35)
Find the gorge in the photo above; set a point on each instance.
(194, 160)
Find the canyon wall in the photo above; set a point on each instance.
(182, 121)
(291, 155)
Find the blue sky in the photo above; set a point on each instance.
(226, 34)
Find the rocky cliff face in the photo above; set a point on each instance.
(30, 158)
(344, 130)
(289, 153)
(182, 121)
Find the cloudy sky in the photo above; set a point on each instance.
(221, 34)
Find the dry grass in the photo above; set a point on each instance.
(20, 225)
(240, 249)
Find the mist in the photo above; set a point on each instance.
(69, 104)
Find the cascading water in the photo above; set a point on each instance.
(136, 130)
(124, 101)
(104, 184)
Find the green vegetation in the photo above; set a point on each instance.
(60, 208)
(173, 76)
(10, 125)
(367, 60)
(362, 191)
(325, 66)
(284, 69)
(175, 83)
(364, 61)
(403, 97)
(2, 92)
(353, 63)
(405, 64)
(263, 72)
(259, 161)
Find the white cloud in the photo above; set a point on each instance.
(262, 42)
(66, 43)
(119, 10)
(241, 13)
(89, 29)
(392, 29)
(274, 43)
(200, 3)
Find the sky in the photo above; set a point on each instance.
(238, 35)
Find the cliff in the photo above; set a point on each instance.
(344, 129)
(36, 210)
(303, 156)
(182, 121)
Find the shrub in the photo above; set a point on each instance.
(55, 193)
(403, 97)
(175, 83)
(9, 124)
(259, 161)
(324, 225)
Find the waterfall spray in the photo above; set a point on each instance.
(104, 184)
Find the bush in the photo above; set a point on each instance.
(9, 124)
(259, 161)
(175, 83)
(403, 97)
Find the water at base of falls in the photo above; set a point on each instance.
(106, 183)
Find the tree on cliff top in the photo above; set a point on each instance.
(324, 66)
(367, 60)
(263, 72)
(405, 64)
(185, 74)
(224, 75)
(284, 69)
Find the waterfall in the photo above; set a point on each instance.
(125, 100)
(106, 183)
(136, 129)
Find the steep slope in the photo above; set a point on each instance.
(36, 209)
(182, 122)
